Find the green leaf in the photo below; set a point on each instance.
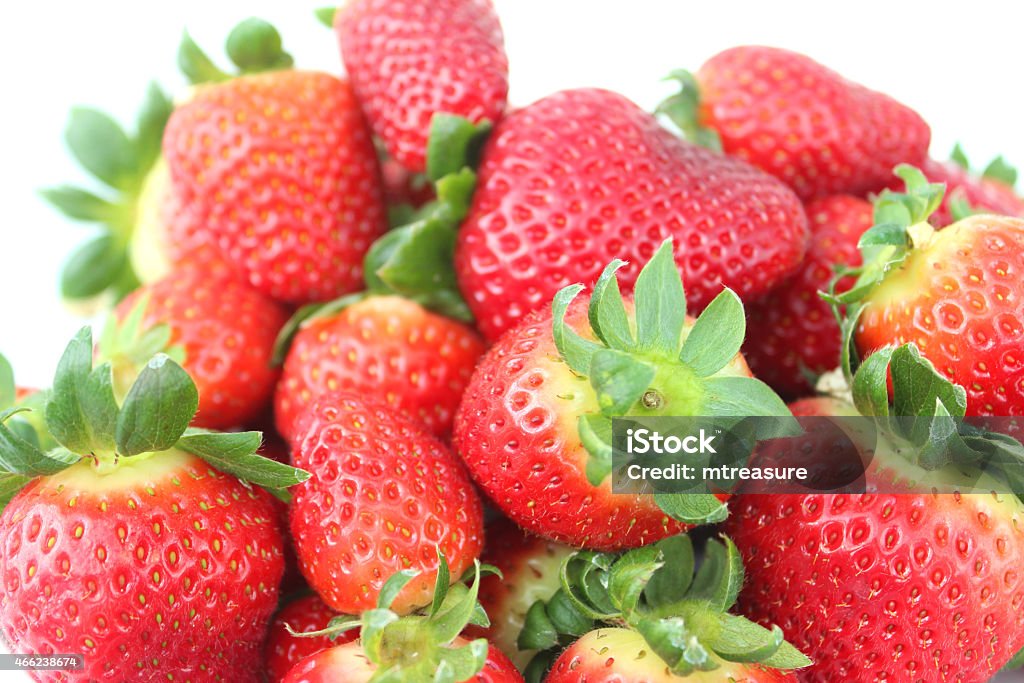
(958, 157)
(720, 577)
(716, 336)
(235, 454)
(78, 204)
(1015, 663)
(307, 314)
(158, 408)
(870, 384)
(456, 664)
(787, 657)
(669, 584)
(20, 456)
(101, 146)
(619, 380)
(673, 641)
(692, 508)
(660, 304)
(455, 143)
(254, 45)
(196, 65)
(741, 640)
(93, 267)
(584, 582)
(375, 622)
(885, 234)
(629, 577)
(156, 110)
(537, 669)
(100, 407)
(8, 390)
(917, 385)
(596, 436)
(449, 623)
(538, 633)
(741, 397)
(325, 15)
(607, 312)
(574, 349)
(10, 484)
(566, 616)
(66, 416)
(999, 170)
(444, 580)
(683, 109)
(393, 586)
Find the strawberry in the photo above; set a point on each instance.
(278, 170)
(798, 120)
(415, 361)
(426, 646)
(220, 330)
(792, 333)
(529, 568)
(284, 650)
(410, 60)
(991, 192)
(137, 542)
(121, 162)
(582, 176)
(955, 293)
(384, 497)
(646, 617)
(897, 585)
(535, 424)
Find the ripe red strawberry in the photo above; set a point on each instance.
(349, 663)
(902, 587)
(792, 333)
(385, 496)
(409, 60)
(534, 426)
(279, 171)
(800, 121)
(584, 176)
(529, 568)
(284, 650)
(125, 543)
(982, 194)
(223, 334)
(386, 347)
(957, 295)
(647, 617)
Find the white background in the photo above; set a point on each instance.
(958, 65)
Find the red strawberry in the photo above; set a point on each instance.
(584, 176)
(646, 617)
(349, 663)
(529, 572)
(800, 121)
(957, 294)
(409, 60)
(284, 650)
(387, 347)
(125, 544)
(534, 425)
(385, 497)
(891, 586)
(223, 333)
(792, 333)
(980, 194)
(279, 171)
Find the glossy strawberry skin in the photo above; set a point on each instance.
(792, 332)
(960, 300)
(805, 124)
(384, 496)
(584, 176)
(409, 60)
(279, 171)
(983, 195)
(348, 663)
(617, 655)
(516, 430)
(227, 330)
(388, 348)
(114, 571)
(895, 587)
(305, 614)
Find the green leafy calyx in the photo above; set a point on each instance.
(683, 110)
(253, 46)
(650, 360)
(681, 613)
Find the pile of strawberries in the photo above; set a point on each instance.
(411, 309)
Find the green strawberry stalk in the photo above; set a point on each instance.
(253, 46)
(682, 615)
(425, 646)
(120, 162)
